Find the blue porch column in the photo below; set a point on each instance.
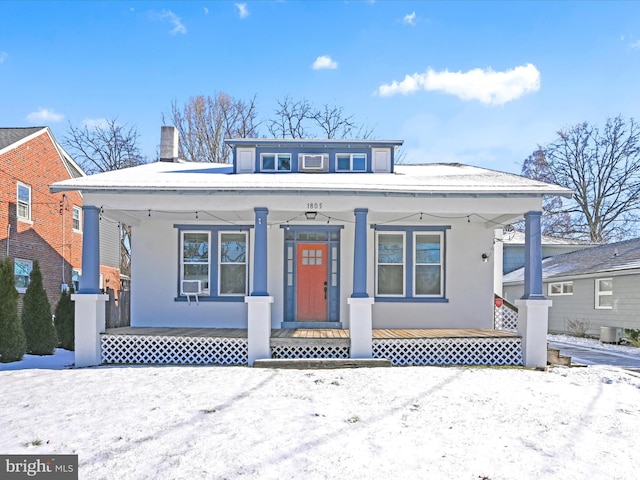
(533, 307)
(89, 301)
(260, 254)
(259, 302)
(360, 254)
(90, 278)
(533, 257)
(360, 305)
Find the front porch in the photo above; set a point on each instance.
(229, 346)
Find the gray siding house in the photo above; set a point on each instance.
(591, 288)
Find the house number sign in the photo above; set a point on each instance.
(314, 206)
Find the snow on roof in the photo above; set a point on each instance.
(517, 238)
(429, 179)
(612, 257)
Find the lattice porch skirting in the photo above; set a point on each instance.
(309, 351)
(449, 351)
(134, 349)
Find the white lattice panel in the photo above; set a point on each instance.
(178, 350)
(505, 318)
(309, 351)
(450, 351)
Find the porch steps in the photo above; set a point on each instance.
(554, 357)
(321, 363)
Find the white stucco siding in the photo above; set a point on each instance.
(469, 287)
(154, 285)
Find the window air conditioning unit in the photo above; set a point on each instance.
(191, 288)
(316, 162)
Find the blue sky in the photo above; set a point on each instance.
(481, 83)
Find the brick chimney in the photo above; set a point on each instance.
(169, 144)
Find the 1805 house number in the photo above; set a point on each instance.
(314, 205)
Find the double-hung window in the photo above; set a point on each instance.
(560, 288)
(77, 219)
(410, 263)
(22, 271)
(275, 162)
(195, 262)
(604, 293)
(351, 162)
(23, 204)
(218, 258)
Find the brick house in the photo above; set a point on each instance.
(36, 224)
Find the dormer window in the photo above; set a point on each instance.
(275, 162)
(351, 162)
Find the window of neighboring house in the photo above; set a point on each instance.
(410, 264)
(24, 202)
(604, 293)
(21, 271)
(224, 275)
(275, 162)
(351, 162)
(560, 288)
(75, 278)
(77, 219)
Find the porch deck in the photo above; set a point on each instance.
(228, 346)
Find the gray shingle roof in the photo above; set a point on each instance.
(9, 136)
(612, 257)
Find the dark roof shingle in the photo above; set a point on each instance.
(9, 136)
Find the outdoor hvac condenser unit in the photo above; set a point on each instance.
(610, 334)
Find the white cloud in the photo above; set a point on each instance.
(486, 86)
(324, 62)
(44, 115)
(634, 45)
(95, 122)
(242, 10)
(409, 19)
(175, 20)
(3, 56)
(206, 11)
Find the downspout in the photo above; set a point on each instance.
(8, 238)
(64, 206)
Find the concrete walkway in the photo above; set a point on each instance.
(596, 356)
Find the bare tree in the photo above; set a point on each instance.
(204, 122)
(602, 167)
(556, 221)
(104, 147)
(290, 119)
(300, 119)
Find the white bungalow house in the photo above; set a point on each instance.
(310, 248)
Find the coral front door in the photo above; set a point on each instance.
(311, 290)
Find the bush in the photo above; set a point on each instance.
(36, 317)
(13, 344)
(633, 335)
(64, 321)
(578, 328)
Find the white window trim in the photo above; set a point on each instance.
(275, 162)
(562, 286)
(245, 263)
(604, 293)
(205, 291)
(27, 219)
(73, 211)
(22, 289)
(415, 264)
(404, 264)
(351, 155)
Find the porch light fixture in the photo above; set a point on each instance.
(311, 215)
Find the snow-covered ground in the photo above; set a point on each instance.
(182, 422)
